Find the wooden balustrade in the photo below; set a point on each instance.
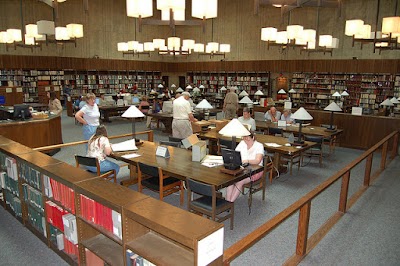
(304, 244)
(149, 133)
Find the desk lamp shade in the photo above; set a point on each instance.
(179, 89)
(394, 100)
(332, 107)
(246, 100)
(344, 94)
(133, 112)
(281, 91)
(188, 87)
(336, 94)
(160, 86)
(234, 129)
(204, 104)
(201, 86)
(243, 93)
(387, 102)
(301, 115)
(259, 93)
(196, 89)
(223, 88)
(292, 91)
(173, 86)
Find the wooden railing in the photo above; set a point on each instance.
(149, 133)
(304, 244)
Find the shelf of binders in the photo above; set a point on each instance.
(166, 235)
(99, 208)
(58, 185)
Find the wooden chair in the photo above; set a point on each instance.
(94, 162)
(261, 183)
(291, 160)
(152, 177)
(206, 202)
(170, 138)
(315, 151)
(274, 131)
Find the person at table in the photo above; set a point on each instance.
(99, 147)
(247, 119)
(144, 105)
(182, 117)
(272, 115)
(83, 102)
(89, 116)
(287, 116)
(231, 104)
(252, 152)
(54, 103)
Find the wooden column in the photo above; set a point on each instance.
(384, 154)
(368, 167)
(344, 192)
(302, 233)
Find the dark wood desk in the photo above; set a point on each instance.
(308, 130)
(108, 111)
(213, 136)
(165, 118)
(180, 165)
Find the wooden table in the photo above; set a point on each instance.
(165, 118)
(107, 111)
(308, 130)
(180, 165)
(213, 136)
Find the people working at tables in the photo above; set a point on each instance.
(54, 103)
(183, 116)
(252, 152)
(272, 115)
(99, 147)
(247, 119)
(287, 116)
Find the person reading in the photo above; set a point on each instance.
(272, 115)
(252, 152)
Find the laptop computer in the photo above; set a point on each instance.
(232, 159)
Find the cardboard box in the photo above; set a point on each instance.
(199, 147)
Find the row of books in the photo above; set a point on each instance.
(55, 214)
(60, 193)
(133, 259)
(11, 185)
(11, 165)
(37, 219)
(30, 175)
(101, 215)
(13, 202)
(33, 196)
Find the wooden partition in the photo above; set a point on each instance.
(359, 132)
(304, 243)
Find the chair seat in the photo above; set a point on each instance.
(206, 203)
(154, 184)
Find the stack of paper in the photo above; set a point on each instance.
(128, 145)
(212, 160)
(275, 145)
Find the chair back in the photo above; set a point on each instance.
(170, 143)
(148, 170)
(200, 188)
(259, 116)
(275, 131)
(175, 139)
(87, 161)
(317, 139)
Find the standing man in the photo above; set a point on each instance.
(182, 113)
(231, 104)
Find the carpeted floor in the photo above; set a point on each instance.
(367, 235)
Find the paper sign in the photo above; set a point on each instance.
(288, 105)
(8, 90)
(19, 89)
(210, 248)
(162, 152)
(356, 110)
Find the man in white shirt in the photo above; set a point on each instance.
(247, 119)
(183, 116)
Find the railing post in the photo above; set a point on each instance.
(368, 167)
(384, 154)
(150, 136)
(344, 192)
(395, 145)
(302, 233)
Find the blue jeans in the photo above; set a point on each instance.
(88, 131)
(105, 166)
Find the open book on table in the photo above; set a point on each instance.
(128, 145)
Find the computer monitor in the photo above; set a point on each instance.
(135, 100)
(232, 159)
(167, 107)
(21, 111)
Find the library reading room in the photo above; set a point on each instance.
(199, 132)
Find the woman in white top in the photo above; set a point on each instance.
(287, 116)
(54, 103)
(99, 147)
(89, 116)
(252, 152)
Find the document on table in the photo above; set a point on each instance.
(128, 145)
(212, 160)
(131, 155)
(275, 145)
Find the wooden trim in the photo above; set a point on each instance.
(344, 192)
(302, 233)
(368, 167)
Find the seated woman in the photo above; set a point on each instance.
(144, 105)
(252, 152)
(287, 116)
(54, 103)
(99, 147)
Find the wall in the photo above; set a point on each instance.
(106, 24)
